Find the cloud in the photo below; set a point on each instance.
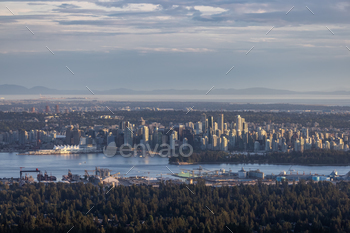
(176, 50)
(36, 4)
(210, 18)
(68, 6)
(177, 30)
(209, 10)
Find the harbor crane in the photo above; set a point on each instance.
(148, 176)
(161, 177)
(291, 170)
(87, 175)
(21, 171)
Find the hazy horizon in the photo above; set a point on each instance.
(83, 88)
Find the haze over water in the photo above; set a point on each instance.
(336, 100)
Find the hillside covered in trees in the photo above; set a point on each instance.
(314, 207)
(308, 157)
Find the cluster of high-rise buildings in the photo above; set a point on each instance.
(249, 136)
(237, 135)
(22, 137)
(206, 134)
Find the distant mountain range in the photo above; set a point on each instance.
(20, 90)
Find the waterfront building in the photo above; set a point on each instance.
(242, 173)
(256, 174)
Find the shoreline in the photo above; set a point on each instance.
(294, 164)
(58, 153)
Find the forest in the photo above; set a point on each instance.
(77, 208)
(308, 157)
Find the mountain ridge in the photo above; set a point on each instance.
(11, 89)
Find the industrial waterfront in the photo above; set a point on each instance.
(149, 167)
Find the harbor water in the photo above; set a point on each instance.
(58, 165)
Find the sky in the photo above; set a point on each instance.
(163, 44)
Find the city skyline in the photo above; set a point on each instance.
(205, 133)
(154, 44)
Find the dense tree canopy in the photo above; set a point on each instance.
(307, 157)
(313, 207)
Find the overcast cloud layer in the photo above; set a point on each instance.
(153, 44)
